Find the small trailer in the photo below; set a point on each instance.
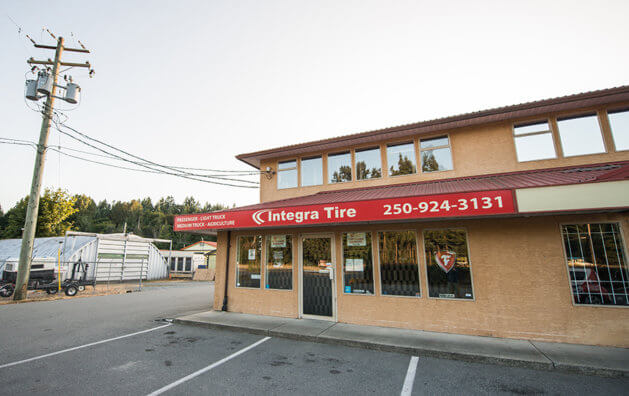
(42, 277)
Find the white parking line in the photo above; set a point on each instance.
(208, 368)
(81, 346)
(410, 377)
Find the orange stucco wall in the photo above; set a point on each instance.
(520, 280)
(480, 150)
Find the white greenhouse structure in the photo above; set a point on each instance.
(110, 257)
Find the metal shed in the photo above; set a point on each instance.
(110, 257)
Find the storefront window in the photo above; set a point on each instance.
(248, 263)
(447, 264)
(339, 168)
(311, 171)
(357, 263)
(619, 123)
(279, 262)
(596, 263)
(287, 174)
(401, 159)
(580, 135)
(368, 164)
(435, 154)
(399, 272)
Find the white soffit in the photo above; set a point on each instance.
(575, 196)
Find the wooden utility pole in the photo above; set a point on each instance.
(30, 224)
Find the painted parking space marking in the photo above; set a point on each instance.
(208, 368)
(407, 389)
(82, 346)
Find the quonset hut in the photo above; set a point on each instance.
(110, 257)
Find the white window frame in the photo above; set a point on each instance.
(448, 146)
(549, 131)
(295, 168)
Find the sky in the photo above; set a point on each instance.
(195, 83)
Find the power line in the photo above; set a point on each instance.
(143, 161)
(183, 175)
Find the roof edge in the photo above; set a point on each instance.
(544, 105)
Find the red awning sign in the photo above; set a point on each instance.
(480, 203)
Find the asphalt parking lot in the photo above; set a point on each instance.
(95, 353)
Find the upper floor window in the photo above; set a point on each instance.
(534, 142)
(580, 135)
(287, 174)
(339, 167)
(311, 171)
(368, 163)
(401, 159)
(619, 123)
(435, 154)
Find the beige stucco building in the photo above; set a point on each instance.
(510, 222)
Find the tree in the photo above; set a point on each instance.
(405, 167)
(429, 162)
(342, 175)
(363, 173)
(55, 209)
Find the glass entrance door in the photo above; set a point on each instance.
(317, 276)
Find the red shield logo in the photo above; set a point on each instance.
(445, 260)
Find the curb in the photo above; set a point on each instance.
(433, 353)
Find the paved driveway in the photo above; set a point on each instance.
(112, 345)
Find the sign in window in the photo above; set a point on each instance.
(249, 261)
(596, 263)
(357, 263)
(279, 262)
(448, 265)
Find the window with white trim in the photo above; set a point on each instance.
(339, 167)
(534, 142)
(401, 159)
(580, 135)
(287, 174)
(595, 255)
(248, 261)
(435, 154)
(619, 124)
(311, 171)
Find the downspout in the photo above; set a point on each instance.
(226, 271)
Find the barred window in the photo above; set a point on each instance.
(357, 263)
(596, 264)
(248, 261)
(447, 263)
(399, 271)
(279, 262)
